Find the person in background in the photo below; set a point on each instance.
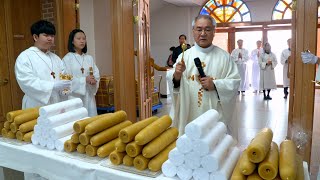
(255, 54)
(170, 61)
(37, 72)
(285, 60)
(178, 50)
(82, 67)
(267, 63)
(309, 58)
(194, 95)
(241, 57)
(37, 69)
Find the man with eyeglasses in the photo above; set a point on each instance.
(193, 95)
(241, 57)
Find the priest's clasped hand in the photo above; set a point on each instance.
(91, 80)
(61, 85)
(180, 68)
(309, 58)
(207, 83)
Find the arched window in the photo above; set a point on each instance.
(282, 10)
(224, 11)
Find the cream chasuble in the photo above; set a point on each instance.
(190, 101)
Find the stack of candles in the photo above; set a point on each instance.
(55, 123)
(205, 151)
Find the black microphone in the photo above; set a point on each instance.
(198, 64)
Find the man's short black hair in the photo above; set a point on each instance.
(71, 37)
(182, 35)
(43, 26)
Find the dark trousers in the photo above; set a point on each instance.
(285, 90)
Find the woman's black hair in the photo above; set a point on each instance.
(172, 48)
(43, 26)
(71, 37)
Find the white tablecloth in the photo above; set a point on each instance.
(34, 159)
(47, 163)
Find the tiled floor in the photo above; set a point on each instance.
(254, 113)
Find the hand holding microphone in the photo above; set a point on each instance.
(206, 82)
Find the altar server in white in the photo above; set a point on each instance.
(255, 54)
(285, 60)
(267, 62)
(37, 69)
(241, 57)
(84, 70)
(192, 95)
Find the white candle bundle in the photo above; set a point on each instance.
(62, 131)
(192, 160)
(176, 157)
(66, 117)
(184, 144)
(205, 145)
(213, 161)
(200, 174)
(184, 172)
(225, 172)
(59, 143)
(60, 107)
(169, 169)
(203, 150)
(202, 125)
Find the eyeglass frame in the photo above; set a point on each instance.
(206, 30)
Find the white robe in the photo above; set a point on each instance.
(267, 76)
(219, 65)
(318, 73)
(242, 67)
(79, 88)
(284, 61)
(255, 68)
(33, 73)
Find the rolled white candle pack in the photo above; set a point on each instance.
(61, 107)
(50, 144)
(184, 173)
(201, 174)
(176, 157)
(184, 144)
(62, 131)
(205, 145)
(192, 160)
(202, 124)
(43, 141)
(169, 169)
(36, 129)
(225, 172)
(35, 139)
(59, 143)
(66, 117)
(40, 121)
(213, 161)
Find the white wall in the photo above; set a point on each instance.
(95, 21)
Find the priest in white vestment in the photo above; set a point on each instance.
(255, 79)
(241, 57)
(192, 95)
(267, 61)
(82, 67)
(285, 60)
(37, 72)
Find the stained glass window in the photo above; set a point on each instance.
(227, 11)
(282, 10)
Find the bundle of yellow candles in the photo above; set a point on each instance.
(263, 160)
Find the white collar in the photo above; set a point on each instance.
(36, 49)
(204, 50)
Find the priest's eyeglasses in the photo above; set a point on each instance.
(205, 30)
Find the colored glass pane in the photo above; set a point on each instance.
(227, 10)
